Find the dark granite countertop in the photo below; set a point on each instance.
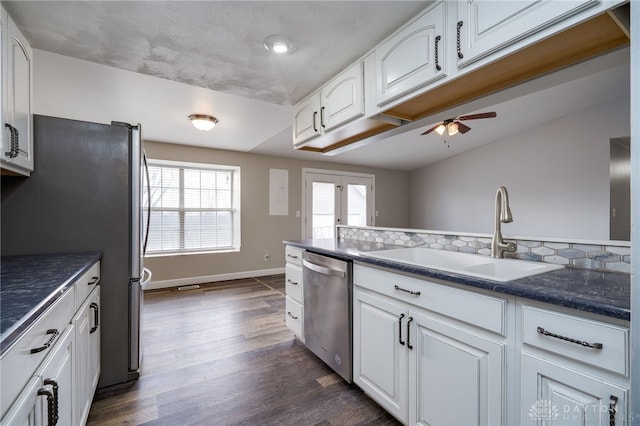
(29, 284)
(604, 293)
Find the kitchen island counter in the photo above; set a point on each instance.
(29, 284)
(603, 293)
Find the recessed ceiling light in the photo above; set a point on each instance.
(278, 43)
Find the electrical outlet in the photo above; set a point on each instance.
(266, 257)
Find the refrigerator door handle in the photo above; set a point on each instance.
(146, 280)
(135, 193)
(146, 231)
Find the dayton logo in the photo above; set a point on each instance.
(544, 410)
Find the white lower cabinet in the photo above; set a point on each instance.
(574, 370)
(294, 289)
(422, 367)
(57, 377)
(87, 329)
(24, 411)
(380, 357)
(554, 394)
(456, 376)
(49, 375)
(47, 399)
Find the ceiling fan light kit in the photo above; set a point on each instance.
(454, 126)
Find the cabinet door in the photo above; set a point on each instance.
(87, 353)
(295, 317)
(342, 98)
(57, 372)
(456, 377)
(553, 394)
(412, 58)
(23, 411)
(306, 120)
(486, 26)
(17, 89)
(379, 351)
(293, 282)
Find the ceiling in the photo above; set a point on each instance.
(208, 57)
(217, 45)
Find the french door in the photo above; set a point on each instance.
(336, 198)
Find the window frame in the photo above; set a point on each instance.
(181, 210)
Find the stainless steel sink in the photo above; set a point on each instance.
(475, 265)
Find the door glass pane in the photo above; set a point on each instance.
(323, 210)
(356, 205)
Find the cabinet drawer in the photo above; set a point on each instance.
(18, 363)
(294, 282)
(295, 318)
(568, 335)
(293, 255)
(86, 283)
(473, 308)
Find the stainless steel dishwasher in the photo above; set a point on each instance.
(327, 310)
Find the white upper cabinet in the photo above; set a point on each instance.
(17, 123)
(484, 27)
(342, 99)
(413, 57)
(336, 103)
(305, 119)
(486, 46)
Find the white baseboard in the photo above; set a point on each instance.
(153, 285)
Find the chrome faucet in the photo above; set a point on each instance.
(503, 215)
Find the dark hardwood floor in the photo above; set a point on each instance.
(222, 355)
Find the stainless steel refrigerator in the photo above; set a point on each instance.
(86, 193)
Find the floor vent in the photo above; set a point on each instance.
(189, 287)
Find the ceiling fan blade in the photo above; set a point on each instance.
(431, 129)
(463, 128)
(476, 116)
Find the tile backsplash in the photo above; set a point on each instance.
(599, 257)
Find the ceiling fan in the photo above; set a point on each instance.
(453, 125)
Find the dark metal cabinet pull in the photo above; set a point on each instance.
(315, 114)
(51, 414)
(438, 67)
(292, 282)
(93, 281)
(409, 345)
(613, 409)
(400, 330)
(292, 256)
(292, 316)
(458, 26)
(96, 317)
(52, 401)
(54, 333)
(411, 292)
(14, 147)
(569, 339)
(54, 388)
(322, 117)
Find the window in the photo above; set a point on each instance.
(194, 208)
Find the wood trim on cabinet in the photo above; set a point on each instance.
(588, 39)
(353, 132)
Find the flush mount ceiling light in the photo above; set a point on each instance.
(203, 122)
(278, 43)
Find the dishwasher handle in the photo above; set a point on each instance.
(323, 269)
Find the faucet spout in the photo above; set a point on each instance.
(502, 215)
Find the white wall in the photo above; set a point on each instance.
(557, 176)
